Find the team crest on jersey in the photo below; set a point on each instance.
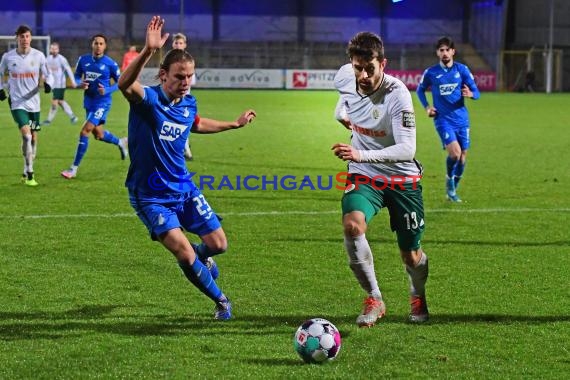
(447, 89)
(102, 67)
(457, 75)
(186, 112)
(171, 131)
(349, 188)
(375, 113)
(408, 119)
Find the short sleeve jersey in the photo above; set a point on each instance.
(158, 130)
(96, 71)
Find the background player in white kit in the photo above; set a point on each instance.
(25, 65)
(378, 108)
(60, 70)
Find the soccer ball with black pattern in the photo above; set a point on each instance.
(317, 340)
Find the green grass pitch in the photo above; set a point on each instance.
(84, 292)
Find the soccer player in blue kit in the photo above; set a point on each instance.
(450, 83)
(160, 187)
(93, 74)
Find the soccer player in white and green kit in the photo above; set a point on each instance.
(60, 70)
(25, 65)
(382, 172)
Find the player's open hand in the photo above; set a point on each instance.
(245, 118)
(466, 92)
(154, 38)
(346, 152)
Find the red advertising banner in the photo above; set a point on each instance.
(486, 80)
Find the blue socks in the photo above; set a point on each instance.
(459, 169)
(83, 144)
(81, 149)
(110, 138)
(451, 163)
(200, 277)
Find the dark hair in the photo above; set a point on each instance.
(367, 45)
(174, 56)
(99, 35)
(23, 29)
(447, 41)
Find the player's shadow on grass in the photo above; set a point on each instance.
(518, 243)
(132, 321)
(497, 319)
(121, 320)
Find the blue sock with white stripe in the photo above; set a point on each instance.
(200, 277)
(81, 149)
(459, 169)
(110, 138)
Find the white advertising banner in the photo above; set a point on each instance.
(239, 78)
(226, 78)
(309, 79)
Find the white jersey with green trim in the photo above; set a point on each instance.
(24, 78)
(59, 67)
(383, 121)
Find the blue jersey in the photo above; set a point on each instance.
(158, 130)
(97, 71)
(446, 84)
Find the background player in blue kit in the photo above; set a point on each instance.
(450, 83)
(160, 187)
(93, 73)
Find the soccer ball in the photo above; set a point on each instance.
(317, 341)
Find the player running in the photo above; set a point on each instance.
(25, 66)
(378, 109)
(94, 73)
(160, 187)
(450, 83)
(60, 70)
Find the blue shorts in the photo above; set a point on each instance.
(449, 134)
(190, 211)
(97, 115)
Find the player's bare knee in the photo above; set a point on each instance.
(218, 245)
(411, 258)
(353, 228)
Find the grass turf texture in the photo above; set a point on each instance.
(86, 294)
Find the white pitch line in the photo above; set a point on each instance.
(279, 213)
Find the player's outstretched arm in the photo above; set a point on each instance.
(128, 84)
(214, 126)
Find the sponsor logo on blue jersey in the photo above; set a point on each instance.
(90, 76)
(447, 89)
(171, 131)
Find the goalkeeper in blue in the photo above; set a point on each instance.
(160, 187)
(93, 73)
(451, 82)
